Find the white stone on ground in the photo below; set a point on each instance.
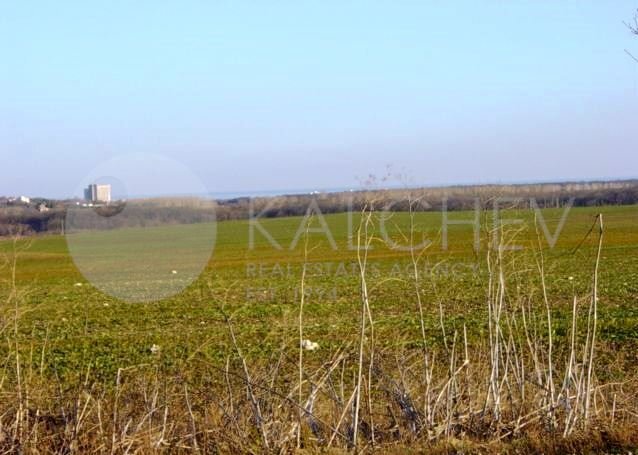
(308, 345)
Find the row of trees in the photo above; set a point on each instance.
(435, 199)
(157, 212)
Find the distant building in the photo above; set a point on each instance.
(98, 193)
(42, 207)
(24, 199)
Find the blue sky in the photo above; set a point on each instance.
(286, 95)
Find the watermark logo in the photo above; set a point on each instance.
(141, 228)
(494, 223)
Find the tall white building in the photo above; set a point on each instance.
(98, 193)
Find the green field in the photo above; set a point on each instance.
(259, 287)
(119, 375)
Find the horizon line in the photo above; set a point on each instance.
(225, 195)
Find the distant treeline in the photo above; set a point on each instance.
(157, 212)
(27, 220)
(454, 198)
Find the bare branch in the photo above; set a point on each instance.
(633, 27)
(630, 54)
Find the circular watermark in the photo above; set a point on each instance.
(144, 228)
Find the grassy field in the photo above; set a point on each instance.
(73, 336)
